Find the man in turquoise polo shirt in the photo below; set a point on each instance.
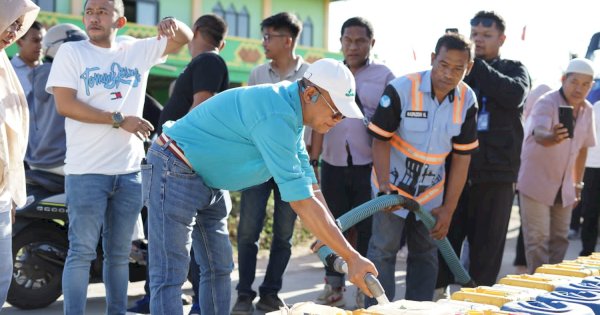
(238, 139)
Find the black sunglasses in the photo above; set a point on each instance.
(486, 22)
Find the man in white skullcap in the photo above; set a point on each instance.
(552, 164)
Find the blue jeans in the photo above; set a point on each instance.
(181, 208)
(252, 218)
(6, 263)
(422, 261)
(107, 204)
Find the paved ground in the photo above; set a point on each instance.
(303, 279)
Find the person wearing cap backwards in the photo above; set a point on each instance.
(16, 16)
(422, 118)
(237, 139)
(552, 164)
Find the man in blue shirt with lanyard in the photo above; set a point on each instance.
(235, 140)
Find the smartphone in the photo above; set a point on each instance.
(565, 117)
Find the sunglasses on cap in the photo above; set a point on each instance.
(485, 21)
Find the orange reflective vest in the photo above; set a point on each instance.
(423, 139)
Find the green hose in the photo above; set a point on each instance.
(378, 204)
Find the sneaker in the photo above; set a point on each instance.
(331, 296)
(243, 305)
(195, 310)
(142, 306)
(269, 303)
(359, 297)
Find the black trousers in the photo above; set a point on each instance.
(590, 206)
(481, 217)
(345, 188)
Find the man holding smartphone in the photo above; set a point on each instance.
(552, 164)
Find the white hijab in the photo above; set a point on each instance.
(14, 114)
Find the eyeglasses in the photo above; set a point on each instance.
(336, 114)
(267, 37)
(15, 26)
(486, 22)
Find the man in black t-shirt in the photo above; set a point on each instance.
(205, 76)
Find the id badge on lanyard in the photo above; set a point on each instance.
(483, 118)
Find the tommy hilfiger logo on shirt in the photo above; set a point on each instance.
(116, 96)
(112, 79)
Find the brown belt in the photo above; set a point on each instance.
(173, 148)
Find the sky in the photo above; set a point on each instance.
(554, 30)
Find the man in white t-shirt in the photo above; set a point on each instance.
(99, 86)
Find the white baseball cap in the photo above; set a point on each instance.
(581, 66)
(334, 77)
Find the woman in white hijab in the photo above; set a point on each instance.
(16, 16)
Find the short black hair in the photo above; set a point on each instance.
(358, 21)
(283, 20)
(454, 41)
(119, 6)
(212, 27)
(35, 26)
(500, 24)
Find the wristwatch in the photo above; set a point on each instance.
(117, 118)
(314, 163)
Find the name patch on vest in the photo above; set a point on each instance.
(416, 114)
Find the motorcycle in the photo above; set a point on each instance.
(40, 245)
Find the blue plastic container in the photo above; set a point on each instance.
(590, 299)
(577, 287)
(547, 308)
